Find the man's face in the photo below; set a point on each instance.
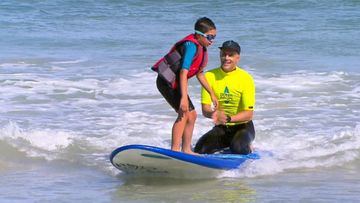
(229, 59)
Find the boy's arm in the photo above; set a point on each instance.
(202, 79)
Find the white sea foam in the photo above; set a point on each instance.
(43, 143)
(136, 85)
(30, 84)
(300, 80)
(265, 166)
(302, 151)
(134, 128)
(69, 61)
(20, 64)
(103, 114)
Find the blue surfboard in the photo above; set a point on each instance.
(144, 159)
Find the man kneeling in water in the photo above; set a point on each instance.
(235, 90)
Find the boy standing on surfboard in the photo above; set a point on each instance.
(187, 58)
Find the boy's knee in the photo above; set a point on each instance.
(191, 116)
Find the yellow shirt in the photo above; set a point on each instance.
(235, 90)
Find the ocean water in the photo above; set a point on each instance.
(75, 83)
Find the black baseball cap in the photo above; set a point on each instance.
(231, 45)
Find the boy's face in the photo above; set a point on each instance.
(204, 41)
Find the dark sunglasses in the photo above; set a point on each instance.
(208, 37)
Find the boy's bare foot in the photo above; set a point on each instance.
(190, 152)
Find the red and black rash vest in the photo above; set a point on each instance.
(169, 66)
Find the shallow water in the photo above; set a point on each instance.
(76, 84)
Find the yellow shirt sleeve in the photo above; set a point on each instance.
(248, 94)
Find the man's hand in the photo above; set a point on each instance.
(219, 117)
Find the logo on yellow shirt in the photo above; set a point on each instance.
(226, 96)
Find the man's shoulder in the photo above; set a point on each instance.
(213, 71)
(243, 72)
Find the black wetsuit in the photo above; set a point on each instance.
(237, 137)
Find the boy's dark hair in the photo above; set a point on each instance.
(204, 24)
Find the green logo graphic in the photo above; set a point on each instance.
(226, 96)
(226, 91)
